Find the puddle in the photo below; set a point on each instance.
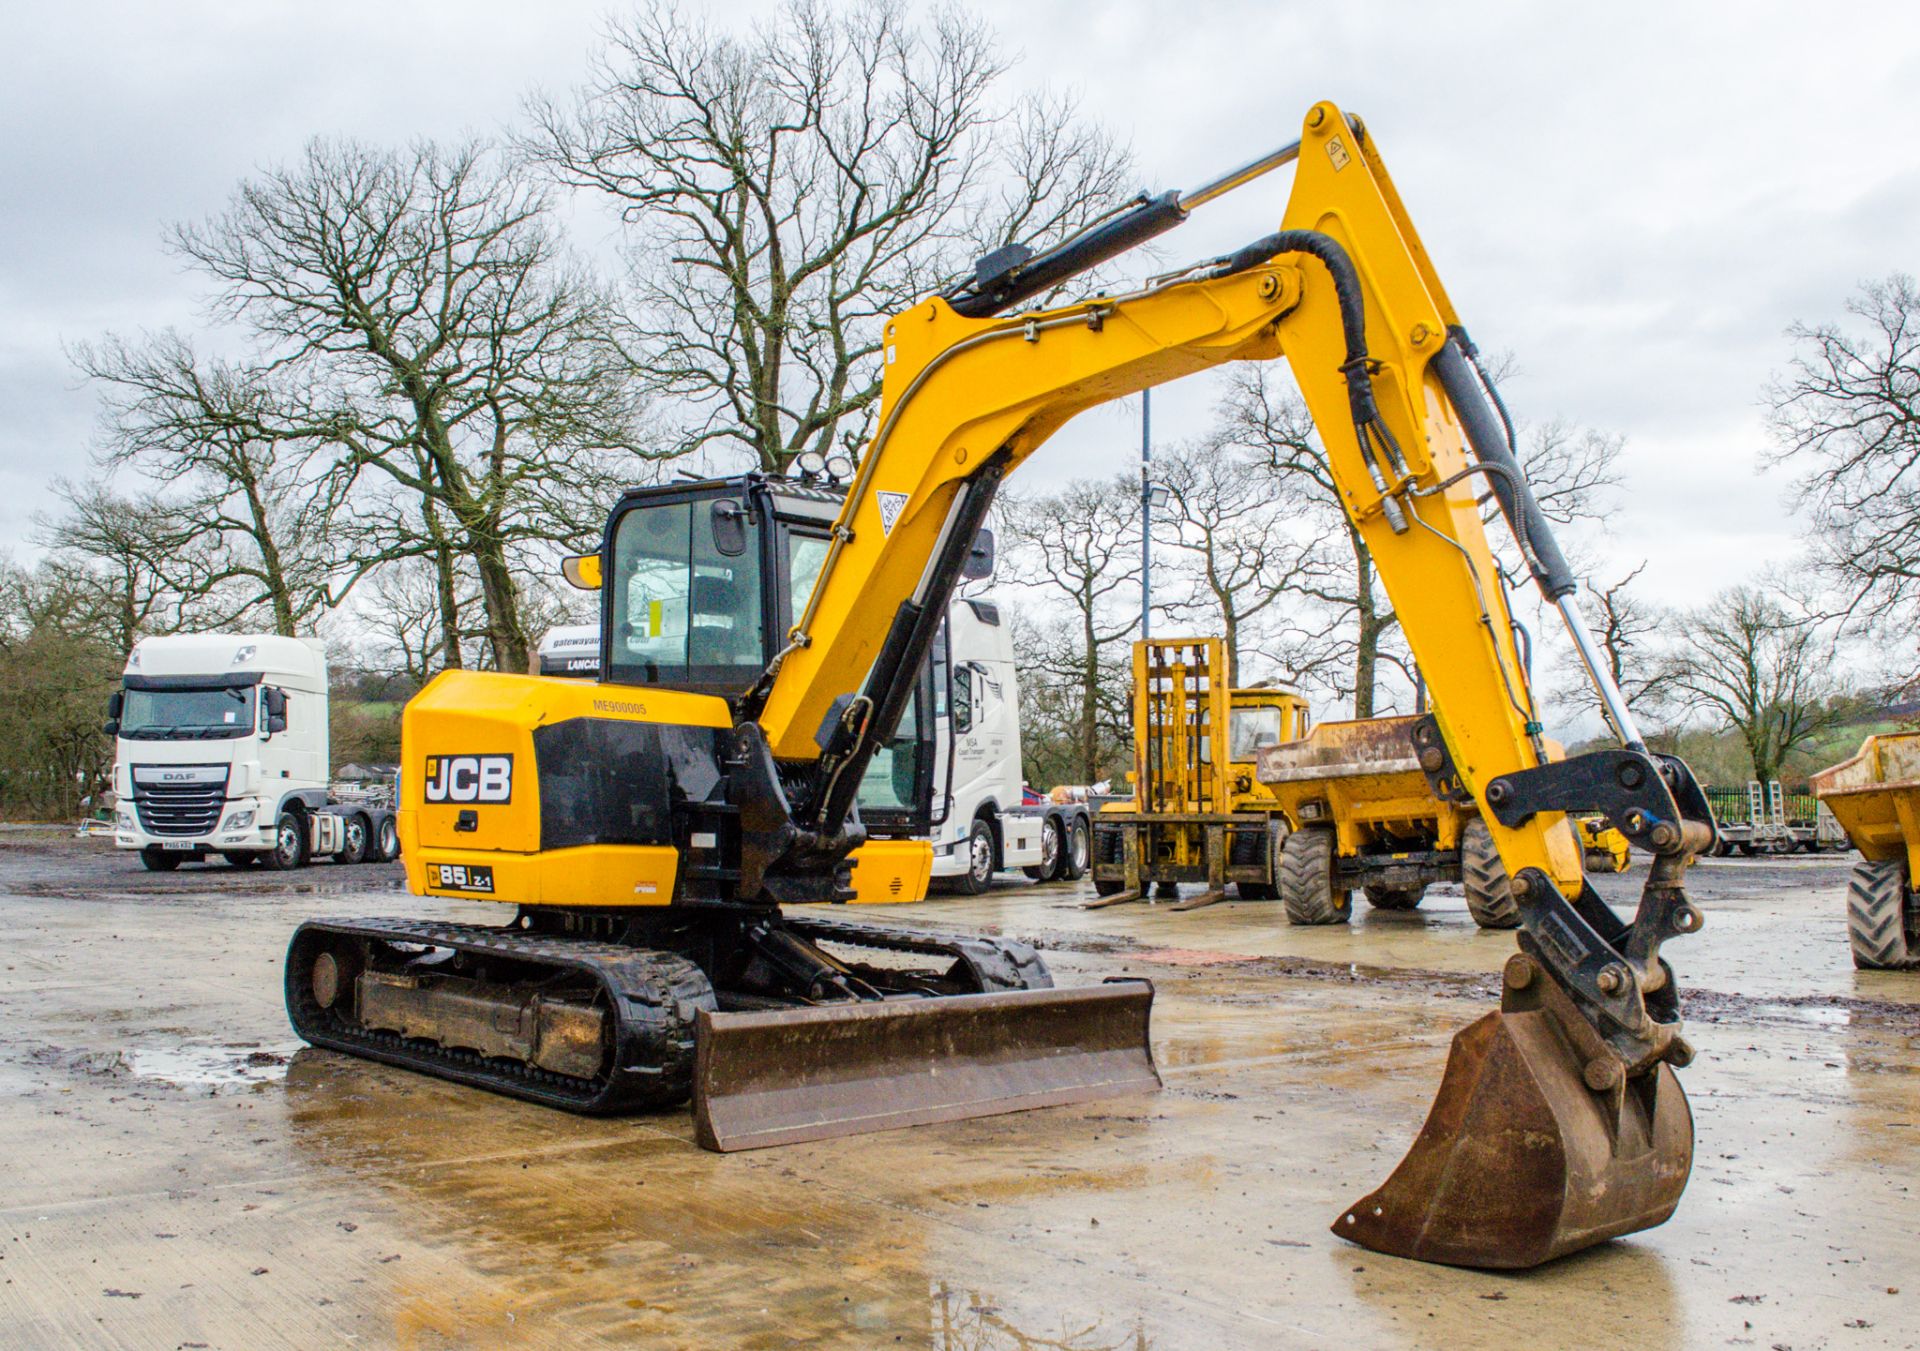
(196, 1067)
(215, 1066)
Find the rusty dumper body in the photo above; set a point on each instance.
(1365, 819)
(1876, 798)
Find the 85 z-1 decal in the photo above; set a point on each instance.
(473, 877)
(469, 778)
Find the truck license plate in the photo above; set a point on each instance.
(471, 877)
(178, 844)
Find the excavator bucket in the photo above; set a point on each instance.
(783, 1076)
(1537, 1146)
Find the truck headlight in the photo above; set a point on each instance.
(126, 820)
(238, 821)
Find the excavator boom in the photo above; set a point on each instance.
(1415, 436)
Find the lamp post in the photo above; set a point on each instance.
(1151, 495)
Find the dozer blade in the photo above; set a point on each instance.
(781, 1077)
(1537, 1146)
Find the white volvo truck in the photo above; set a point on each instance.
(978, 822)
(222, 748)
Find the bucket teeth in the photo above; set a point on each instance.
(1530, 1153)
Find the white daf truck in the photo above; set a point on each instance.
(222, 748)
(979, 822)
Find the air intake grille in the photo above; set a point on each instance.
(180, 808)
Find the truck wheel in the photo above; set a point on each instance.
(979, 874)
(357, 839)
(289, 843)
(158, 860)
(1489, 890)
(1395, 898)
(1073, 863)
(387, 837)
(1309, 883)
(1049, 866)
(1879, 928)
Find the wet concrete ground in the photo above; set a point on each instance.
(176, 1172)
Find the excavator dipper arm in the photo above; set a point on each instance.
(1415, 436)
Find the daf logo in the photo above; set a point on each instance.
(166, 777)
(469, 778)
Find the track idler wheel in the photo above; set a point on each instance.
(1538, 1144)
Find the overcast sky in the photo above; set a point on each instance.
(1633, 200)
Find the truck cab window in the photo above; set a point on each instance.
(187, 714)
(962, 698)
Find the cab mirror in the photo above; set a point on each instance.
(979, 564)
(582, 571)
(116, 704)
(112, 728)
(275, 702)
(729, 528)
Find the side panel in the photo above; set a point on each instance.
(542, 791)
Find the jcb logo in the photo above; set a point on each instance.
(469, 778)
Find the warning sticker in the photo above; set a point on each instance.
(1337, 153)
(890, 508)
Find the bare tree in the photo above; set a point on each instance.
(792, 186)
(423, 320)
(1571, 471)
(1759, 671)
(1626, 627)
(113, 555)
(252, 535)
(1220, 522)
(1084, 543)
(1847, 412)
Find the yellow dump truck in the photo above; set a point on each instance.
(1365, 819)
(1196, 815)
(1876, 798)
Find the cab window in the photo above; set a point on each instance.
(1251, 729)
(683, 613)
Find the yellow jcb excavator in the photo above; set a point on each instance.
(650, 827)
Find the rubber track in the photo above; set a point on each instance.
(1484, 878)
(977, 953)
(653, 995)
(1877, 917)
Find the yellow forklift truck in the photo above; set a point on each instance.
(1197, 815)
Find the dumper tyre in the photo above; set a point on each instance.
(157, 860)
(1073, 859)
(1051, 849)
(1276, 843)
(1103, 887)
(1309, 881)
(1484, 878)
(1395, 898)
(1879, 927)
